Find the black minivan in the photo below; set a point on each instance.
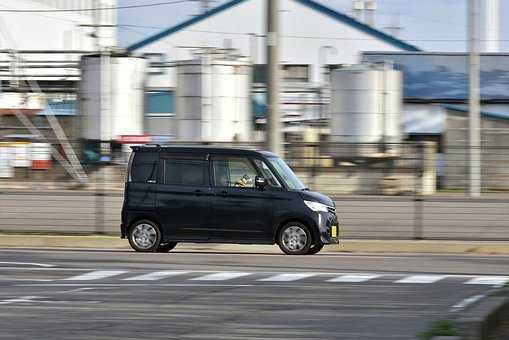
(221, 195)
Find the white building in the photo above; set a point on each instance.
(313, 36)
(41, 43)
(56, 30)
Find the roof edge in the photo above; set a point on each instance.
(183, 25)
(464, 109)
(309, 3)
(359, 25)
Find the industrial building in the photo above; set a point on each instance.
(344, 81)
(435, 108)
(307, 52)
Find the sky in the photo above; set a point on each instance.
(432, 25)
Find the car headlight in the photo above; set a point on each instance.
(315, 206)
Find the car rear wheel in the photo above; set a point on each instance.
(144, 236)
(315, 249)
(294, 239)
(166, 247)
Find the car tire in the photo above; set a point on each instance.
(166, 247)
(144, 236)
(294, 238)
(315, 249)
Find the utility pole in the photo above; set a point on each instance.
(273, 131)
(205, 6)
(474, 122)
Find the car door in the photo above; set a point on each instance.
(240, 212)
(183, 196)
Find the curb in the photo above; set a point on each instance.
(482, 319)
(345, 246)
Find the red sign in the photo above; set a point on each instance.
(41, 156)
(133, 139)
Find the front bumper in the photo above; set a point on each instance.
(329, 227)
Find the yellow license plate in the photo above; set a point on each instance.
(334, 231)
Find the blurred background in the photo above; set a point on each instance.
(398, 110)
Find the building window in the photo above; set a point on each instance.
(296, 73)
(260, 74)
(160, 103)
(290, 73)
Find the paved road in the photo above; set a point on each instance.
(371, 217)
(62, 294)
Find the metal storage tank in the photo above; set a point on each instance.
(366, 103)
(213, 99)
(111, 96)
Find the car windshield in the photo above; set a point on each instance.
(284, 171)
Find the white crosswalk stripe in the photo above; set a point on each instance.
(422, 279)
(354, 278)
(96, 275)
(488, 280)
(222, 276)
(287, 277)
(153, 276)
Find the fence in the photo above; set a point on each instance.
(381, 191)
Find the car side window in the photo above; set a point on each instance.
(184, 172)
(144, 167)
(267, 173)
(233, 172)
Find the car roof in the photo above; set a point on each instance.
(190, 149)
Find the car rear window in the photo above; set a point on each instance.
(144, 167)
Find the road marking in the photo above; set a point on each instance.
(222, 276)
(354, 278)
(77, 290)
(156, 275)
(44, 265)
(422, 279)
(96, 275)
(287, 277)
(488, 280)
(115, 285)
(24, 299)
(466, 302)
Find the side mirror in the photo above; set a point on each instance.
(260, 182)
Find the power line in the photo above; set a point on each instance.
(174, 2)
(298, 36)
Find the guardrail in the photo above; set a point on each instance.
(397, 191)
(361, 217)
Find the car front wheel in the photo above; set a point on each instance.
(294, 239)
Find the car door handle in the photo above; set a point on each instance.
(198, 192)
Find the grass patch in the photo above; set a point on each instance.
(439, 328)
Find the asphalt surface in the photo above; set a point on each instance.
(101, 294)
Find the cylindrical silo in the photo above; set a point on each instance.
(111, 96)
(366, 104)
(213, 99)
